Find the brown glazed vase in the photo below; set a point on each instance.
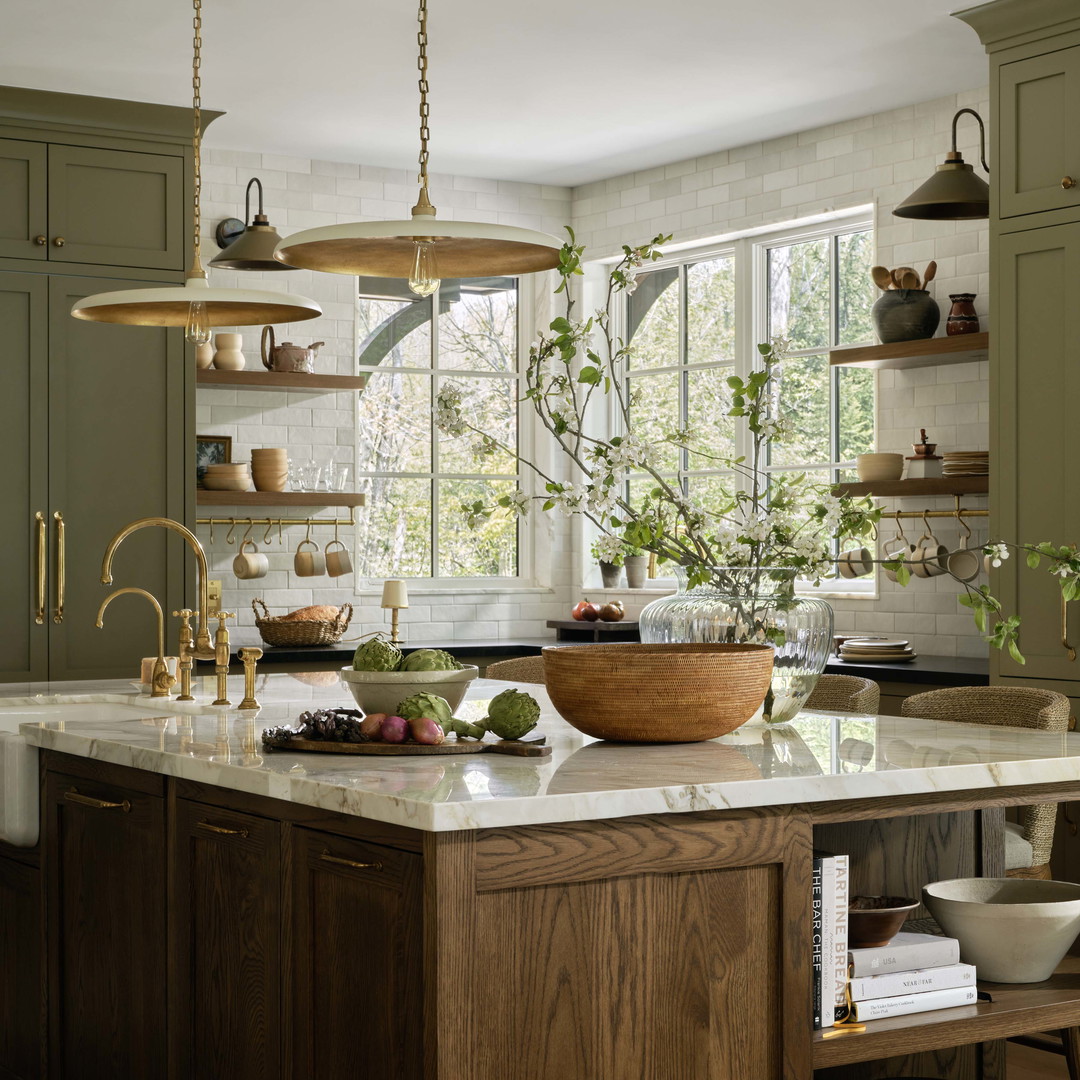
(962, 318)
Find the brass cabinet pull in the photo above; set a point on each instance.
(1065, 629)
(39, 614)
(39, 240)
(1068, 182)
(59, 241)
(61, 568)
(72, 795)
(327, 857)
(220, 830)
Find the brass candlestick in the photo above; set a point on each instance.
(395, 596)
(250, 657)
(221, 657)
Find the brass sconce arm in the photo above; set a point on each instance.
(982, 135)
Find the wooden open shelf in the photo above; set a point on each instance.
(928, 352)
(1015, 1010)
(279, 380)
(203, 497)
(903, 489)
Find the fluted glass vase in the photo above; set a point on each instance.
(751, 605)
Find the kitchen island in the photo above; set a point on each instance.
(615, 912)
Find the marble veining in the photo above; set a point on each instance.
(819, 757)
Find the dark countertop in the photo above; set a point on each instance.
(934, 670)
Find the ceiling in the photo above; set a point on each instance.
(559, 92)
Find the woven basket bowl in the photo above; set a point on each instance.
(275, 630)
(657, 693)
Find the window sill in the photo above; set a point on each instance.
(463, 590)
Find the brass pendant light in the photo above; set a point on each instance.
(195, 305)
(954, 192)
(422, 249)
(253, 249)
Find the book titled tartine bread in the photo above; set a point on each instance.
(896, 983)
(906, 952)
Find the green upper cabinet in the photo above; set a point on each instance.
(85, 205)
(23, 213)
(1038, 156)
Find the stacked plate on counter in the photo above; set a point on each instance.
(966, 463)
(876, 650)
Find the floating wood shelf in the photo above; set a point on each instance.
(280, 380)
(903, 489)
(928, 352)
(1015, 1010)
(278, 498)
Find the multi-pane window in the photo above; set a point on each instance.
(415, 478)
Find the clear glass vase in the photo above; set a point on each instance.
(744, 605)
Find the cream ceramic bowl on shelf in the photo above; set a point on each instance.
(1014, 930)
(383, 691)
(871, 467)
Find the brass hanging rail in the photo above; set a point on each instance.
(349, 522)
(905, 515)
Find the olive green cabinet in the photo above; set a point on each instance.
(84, 204)
(92, 433)
(1038, 157)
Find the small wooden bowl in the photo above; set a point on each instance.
(642, 693)
(874, 921)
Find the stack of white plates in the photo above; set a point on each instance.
(966, 463)
(876, 650)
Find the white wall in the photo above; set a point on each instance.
(877, 159)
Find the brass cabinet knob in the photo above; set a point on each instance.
(1068, 182)
(39, 240)
(58, 241)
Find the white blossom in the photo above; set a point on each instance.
(998, 553)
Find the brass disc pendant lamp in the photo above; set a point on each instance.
(422, 249)
(195, 305)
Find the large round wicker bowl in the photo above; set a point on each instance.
(657, 693)
(381, 691)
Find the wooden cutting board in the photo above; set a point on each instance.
(534, 748)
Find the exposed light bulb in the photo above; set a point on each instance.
(424, 279)
(198, 324)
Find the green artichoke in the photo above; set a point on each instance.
(430, 660)
(378, 654)
(512, 714)
(429, 705)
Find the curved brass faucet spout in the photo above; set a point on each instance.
(162, 680)
(204, 649)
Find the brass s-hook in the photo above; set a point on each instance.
(229, 535)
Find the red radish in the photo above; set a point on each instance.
(426, 731)
(372, 724)
(394, 729)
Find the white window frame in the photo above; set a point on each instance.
(529, 555)
(750, 250)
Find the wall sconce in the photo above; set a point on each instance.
(248, 247)
(395, 596)
(954, 192)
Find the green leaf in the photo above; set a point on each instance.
(560, 325)
(590, 376)
(980, 618)
(903, 575)
(1033, 559)
(1015, 653)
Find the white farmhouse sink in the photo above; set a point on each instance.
(19, 797)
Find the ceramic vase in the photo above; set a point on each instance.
(905, 315)
(636, 568)
(204, 356)
(610, 574)
(962, 316)
(228, 356)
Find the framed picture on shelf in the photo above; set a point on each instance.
(211, 450)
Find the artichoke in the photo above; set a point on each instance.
(430, 660)
(378, 654)
(512, 714)
(430, 705)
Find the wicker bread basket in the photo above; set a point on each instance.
(657, 693)
(276, 630)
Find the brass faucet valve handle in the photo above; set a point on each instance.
(222, 655)
(251, 657)
(186, 662)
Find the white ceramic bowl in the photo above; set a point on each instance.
(1014, 930)
(381, 691)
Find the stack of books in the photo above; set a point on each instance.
(914, 973)
(831, 896)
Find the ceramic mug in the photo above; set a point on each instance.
(965, 564)
(253, 565)
(902, 554)
(856, 563)
(308, 563)
(928, 559)
(337, 562)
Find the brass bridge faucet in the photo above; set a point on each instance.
(222, 656)
(162, 681)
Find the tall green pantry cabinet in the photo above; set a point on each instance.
(94, 419)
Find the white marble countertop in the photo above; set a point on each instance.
(820, 757)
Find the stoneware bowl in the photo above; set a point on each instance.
(1014, 930)
(872, 467)
(381, 691)
(874, 921)
(641, 693)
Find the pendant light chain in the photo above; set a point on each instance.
(423, 205)
(196, 138)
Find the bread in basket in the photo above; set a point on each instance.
(318, 625)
